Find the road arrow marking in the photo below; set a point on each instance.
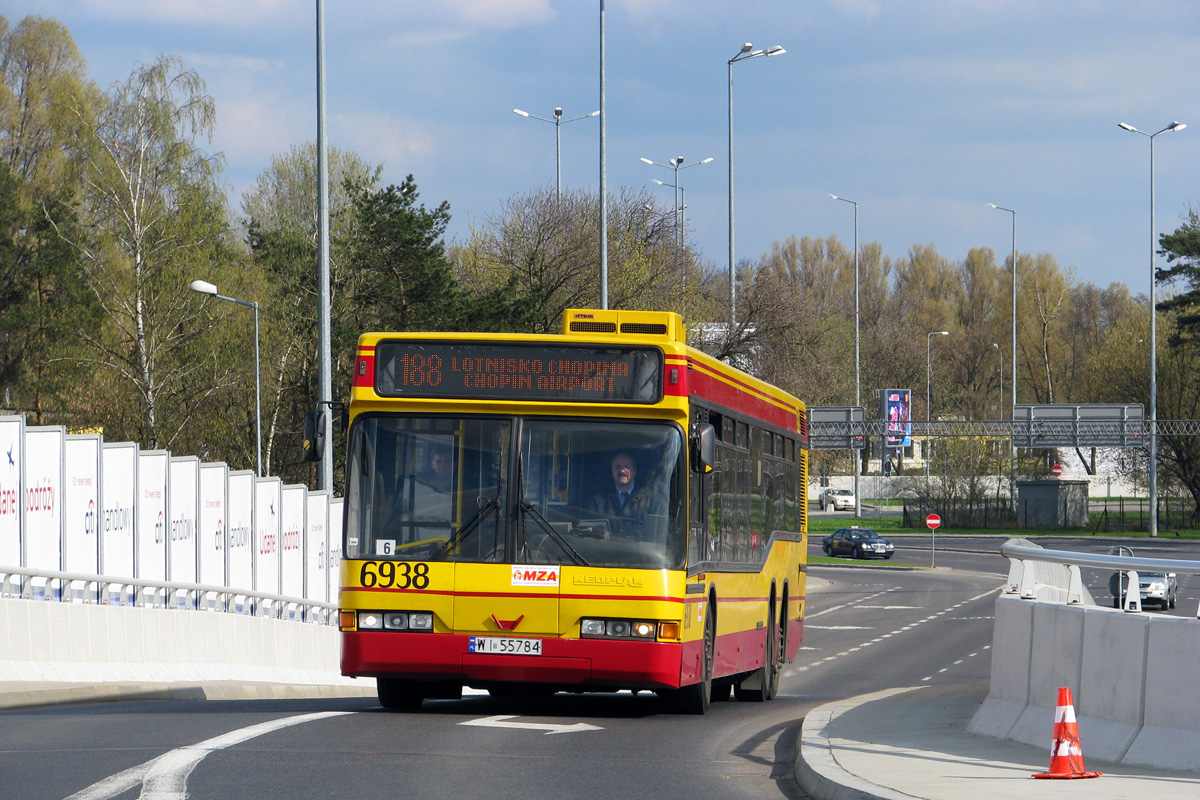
(548, 727)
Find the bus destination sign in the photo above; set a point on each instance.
(512, 371)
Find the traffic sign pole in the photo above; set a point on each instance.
(933, 520)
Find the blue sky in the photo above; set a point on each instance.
(922, 112)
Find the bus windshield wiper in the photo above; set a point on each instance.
(555, 535)
(486, 507)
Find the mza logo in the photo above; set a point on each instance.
(534, 576)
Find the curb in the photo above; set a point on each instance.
(818, 772)
(36, 695)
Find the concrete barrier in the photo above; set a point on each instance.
(1129, 673)
(48, 642)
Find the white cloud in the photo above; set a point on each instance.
(224, 13)
(378, 137)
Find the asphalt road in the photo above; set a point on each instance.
(867, 629)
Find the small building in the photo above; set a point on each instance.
(1052, 503)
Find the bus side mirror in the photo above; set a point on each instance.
(314, 434)
(704, 448)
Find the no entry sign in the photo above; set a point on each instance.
(933, 520)
(1057, 470)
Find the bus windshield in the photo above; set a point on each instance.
(516, 490)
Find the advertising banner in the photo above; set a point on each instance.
(317, 547)
(266, 534)
(210, 526)
(185, 480)
(118, 487)
(897, 414)
(294, 506)
(12, 433)
(42, 521)
(81, 498)
(151, 512)
(335, 547)
(239, 527)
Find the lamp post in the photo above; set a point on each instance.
(928, 369)
(1012, 357)
(204, 287)
(745, 54)
(558, 122)
(1153, 470)
(928, 380)
(676, 165)
(857, 370)
(1000, 405)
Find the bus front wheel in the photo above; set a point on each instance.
(695, 699)
(399, 695)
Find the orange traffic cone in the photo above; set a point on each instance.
(1066, 754)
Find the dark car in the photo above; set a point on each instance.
(857, 543)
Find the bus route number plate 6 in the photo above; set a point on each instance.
(505, 645)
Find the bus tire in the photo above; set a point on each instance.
(768, 673)
(396, 694)
(697, 698)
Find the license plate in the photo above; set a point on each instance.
(505, 645)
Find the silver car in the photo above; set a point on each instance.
(837, 500)
(1161, 588)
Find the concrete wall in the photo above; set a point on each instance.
(1129, 674)
(48, 642)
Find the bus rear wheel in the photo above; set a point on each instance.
(396, 694)
(767, 675)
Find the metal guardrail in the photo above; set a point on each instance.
(72, 587)
(1007, 428)
(1029, 582)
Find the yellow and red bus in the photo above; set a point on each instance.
(480, 549)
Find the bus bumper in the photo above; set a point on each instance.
(564, 662)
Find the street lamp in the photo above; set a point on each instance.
(928, 375)
(676, 165)
(747, 52)
(558, 122)
(928, 371)
(1153, 499)
(1000, 405)
(857, 372)
(1012, 356)
(204, 287)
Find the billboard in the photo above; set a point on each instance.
(293, 506)
(81, 498)
(210, 525)
(118, 487)
(336, 507)
(12, 433)
(897, 416)
(266, 535)
(316, 546)
(151, 548)
(239, 527)
(185, 478)
(42, 521)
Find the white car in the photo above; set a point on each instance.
(837, 500)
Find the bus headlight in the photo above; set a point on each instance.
(370, 621)
(420, 621)
(618, 629)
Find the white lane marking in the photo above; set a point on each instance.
(838, 628)
(502, 721)
(890, 608)
(165, 777)
(804, 667)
